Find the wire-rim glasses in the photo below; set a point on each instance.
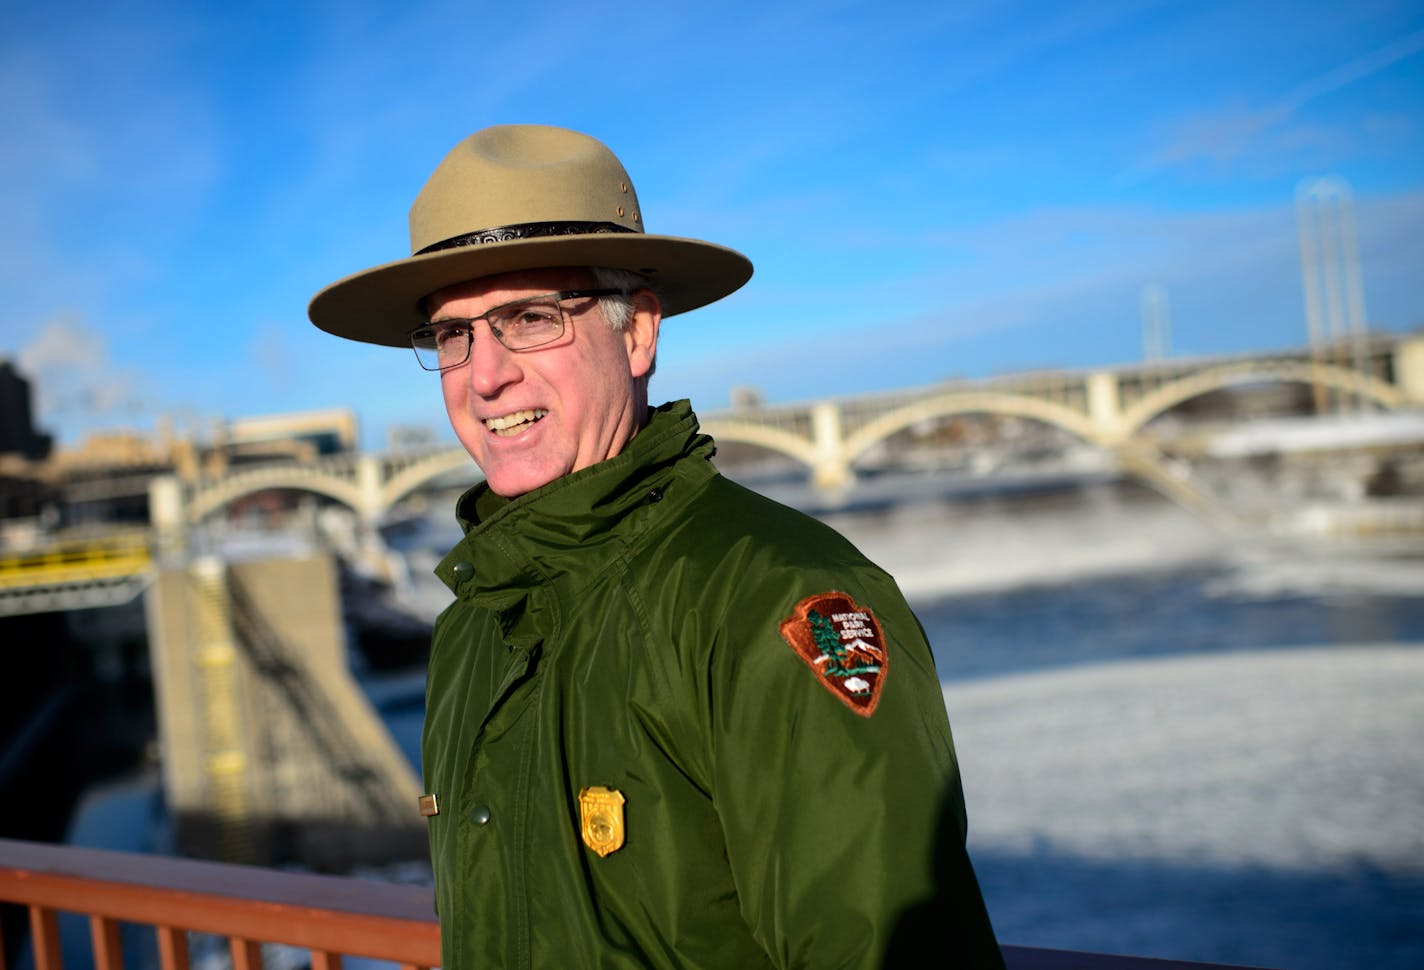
(518, 325)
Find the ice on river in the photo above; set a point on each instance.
(1259, 807)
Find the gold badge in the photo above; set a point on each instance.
(428, 806)
(601, 813)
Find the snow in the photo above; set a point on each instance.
(1163, 796)
(1320, 433)
(935, 549)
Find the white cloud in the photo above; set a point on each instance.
(1279, 129)
(76, 385)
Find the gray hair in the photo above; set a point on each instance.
(617, 309)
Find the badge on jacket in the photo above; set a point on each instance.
(601, 816)
(841, 641)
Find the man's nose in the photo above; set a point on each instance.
(493, 366)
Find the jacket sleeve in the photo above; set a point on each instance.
(845, 830)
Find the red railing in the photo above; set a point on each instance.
(330, 916)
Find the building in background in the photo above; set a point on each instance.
(104, 480)
(24, 492)
(18, 435)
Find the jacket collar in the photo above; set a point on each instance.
(581, 520)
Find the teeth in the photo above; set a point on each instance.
(511, 424)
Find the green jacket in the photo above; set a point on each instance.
(630, 632)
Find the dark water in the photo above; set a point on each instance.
(1367, 917)
(1203, 609)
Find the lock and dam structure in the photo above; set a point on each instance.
(270, 749)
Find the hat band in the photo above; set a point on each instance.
(527, 230)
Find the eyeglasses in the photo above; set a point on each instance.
(518, 325)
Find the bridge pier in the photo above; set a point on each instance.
(168, 515)
(830, 469)
(371, 506)
(1105, 405)
(1409, 368)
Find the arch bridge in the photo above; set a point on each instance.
(1108, 408)
(369, 484)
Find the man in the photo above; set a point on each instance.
(669, 722)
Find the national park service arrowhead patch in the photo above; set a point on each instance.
(841, 641)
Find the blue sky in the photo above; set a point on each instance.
(928, 190)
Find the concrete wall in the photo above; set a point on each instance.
(271, 751)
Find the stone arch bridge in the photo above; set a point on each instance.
(1109, 408)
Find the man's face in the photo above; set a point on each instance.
(530, 417)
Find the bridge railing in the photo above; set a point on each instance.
(75, 572)
(328, 916)
(75, 562)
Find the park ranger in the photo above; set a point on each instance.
(669, 722)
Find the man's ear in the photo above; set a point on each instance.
(640, 336)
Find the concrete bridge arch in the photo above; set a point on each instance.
(1181, 390)
(969, 402)
(369, 487)
(213, 498)
(763, 436)
(831, 456)
(422, 472)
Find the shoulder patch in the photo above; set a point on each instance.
(841, 641)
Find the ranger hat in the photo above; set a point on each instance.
(519, 197)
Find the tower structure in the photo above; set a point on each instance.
(1330, 274)
(1156, 323)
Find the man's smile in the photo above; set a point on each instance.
(529, 418)
(511, 424)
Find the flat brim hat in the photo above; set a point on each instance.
(523, 197)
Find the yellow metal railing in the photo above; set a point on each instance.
(75, 562)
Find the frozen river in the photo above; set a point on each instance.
(1174, 743)
(1262, 808)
